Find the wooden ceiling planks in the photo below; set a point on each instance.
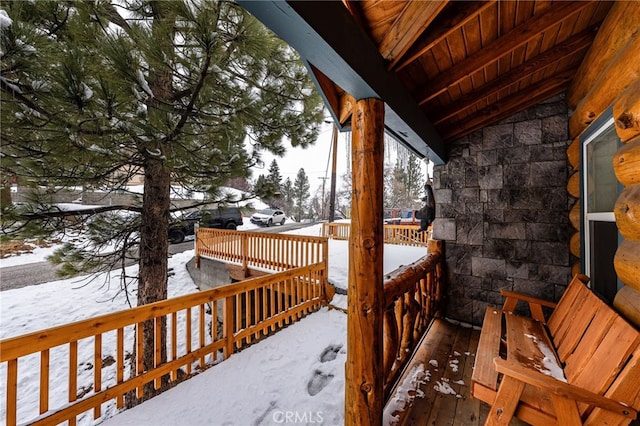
(412, 21)
(468, 63)
(456, 15)
(573, 47)
(499, 48)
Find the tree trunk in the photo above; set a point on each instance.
(154, 244)
(154, 230)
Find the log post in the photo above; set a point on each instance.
(364, 387)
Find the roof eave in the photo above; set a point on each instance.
(318, 31)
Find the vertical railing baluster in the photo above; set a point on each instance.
(238, 316)
(73, 376)
(228, 325)
(120, 364)
(188, 337)
(44, 381)
(244, 243)
(202, 334)
(12, 392)
(265, 314)
(214, 325)
(256, 309)
(272, 306)
(247, 313)
(139, 356)
(97, 371)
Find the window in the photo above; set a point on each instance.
(599, 194)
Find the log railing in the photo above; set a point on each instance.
(272, 252)
(103, 362)
(413, 296)
(407, 235)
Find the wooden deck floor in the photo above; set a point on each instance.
(447, 354)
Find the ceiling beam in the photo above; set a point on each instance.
(355, 10)
(451, 20)
(326, 35)
(500, 47)
(412, 21)
(510, 105)
(572, 46)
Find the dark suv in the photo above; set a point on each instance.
(227, 218)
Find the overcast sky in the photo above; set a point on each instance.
(315, 160)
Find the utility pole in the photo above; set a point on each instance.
(334, 160)
(324, 179)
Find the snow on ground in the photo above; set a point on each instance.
(298, 373)
(38, 254)
(295, 376)
(394, 255)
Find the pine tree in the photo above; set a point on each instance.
(274, 182)
(414, 181)
(94, 93)
(287, 196)
(260, 188)
(301, 194)
(404, 184)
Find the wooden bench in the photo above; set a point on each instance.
(581, 366)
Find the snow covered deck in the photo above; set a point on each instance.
(436, 389)
(298, 374)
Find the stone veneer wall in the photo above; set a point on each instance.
(502, 208)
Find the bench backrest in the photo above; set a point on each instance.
(599, 349)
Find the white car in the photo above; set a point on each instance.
(268, 217)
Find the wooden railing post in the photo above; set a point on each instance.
(228, 325)
(364, 387)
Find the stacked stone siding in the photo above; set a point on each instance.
(502, 208)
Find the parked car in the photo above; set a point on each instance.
(227, 218)
(268, 217)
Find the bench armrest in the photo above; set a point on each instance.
(535, 304)
(562, 389)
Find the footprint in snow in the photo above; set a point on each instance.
(330, 353)
(318, 382)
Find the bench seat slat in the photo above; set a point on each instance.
(565, 307)
(565, 337)
(609, 357)
(484, 372)
(626, 387)
(590, 337)
(529, 345)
